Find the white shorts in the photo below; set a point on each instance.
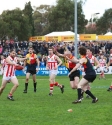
(8, 78)
(55, 72)
(102, 69)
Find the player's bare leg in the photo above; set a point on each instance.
(26, 82)
(84, 83)
(103, 75)
(52, 81)
(15, 85)
(4, 82)
(74, 83)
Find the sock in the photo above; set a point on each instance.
(26, 86)
(51, 87)
(10, 94)
(111, 86)
(79, 93)
(57, 84)
(35, 84)
(90, 94)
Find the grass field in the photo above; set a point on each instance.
(41, 109)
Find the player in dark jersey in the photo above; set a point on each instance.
(32, 64)
(70, 63)
(93, 60)
(90, 76)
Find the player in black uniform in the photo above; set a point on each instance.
(32, 64)
(90, 76)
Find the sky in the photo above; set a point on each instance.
(90, 7)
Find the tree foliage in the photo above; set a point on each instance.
(61, 18)
(40, 17)
(104, 24)
(40, 20)
(28, 11)
(14, 24)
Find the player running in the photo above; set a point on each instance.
(53, 62)
(90, 76)
(9, 73)
(103, 65)
(70, 63)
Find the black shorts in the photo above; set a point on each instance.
(90, 78)
(33, 72)
(74, 74)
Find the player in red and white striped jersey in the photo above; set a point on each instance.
(9, 73)
(103, 64)
(53, 62)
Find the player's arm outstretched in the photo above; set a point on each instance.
(81, 61)
(60, 55)
(21, 59)
(24, 64)
(74, 59)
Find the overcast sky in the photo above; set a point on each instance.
(90, 7)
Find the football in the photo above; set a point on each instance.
(19, 67)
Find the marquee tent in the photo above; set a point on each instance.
(109, 33)
(64, 33)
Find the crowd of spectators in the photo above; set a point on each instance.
(41, 48)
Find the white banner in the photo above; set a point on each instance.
(106, 70)
(62, 71)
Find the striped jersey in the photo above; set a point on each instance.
(9, 70)
(52, 62)
(102, 62)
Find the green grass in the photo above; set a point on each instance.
(41, 109)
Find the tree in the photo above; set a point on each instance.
(28, 11)
(61, 16)
(104, 24)
(40, 17)
(3, 28)
(14, 24)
